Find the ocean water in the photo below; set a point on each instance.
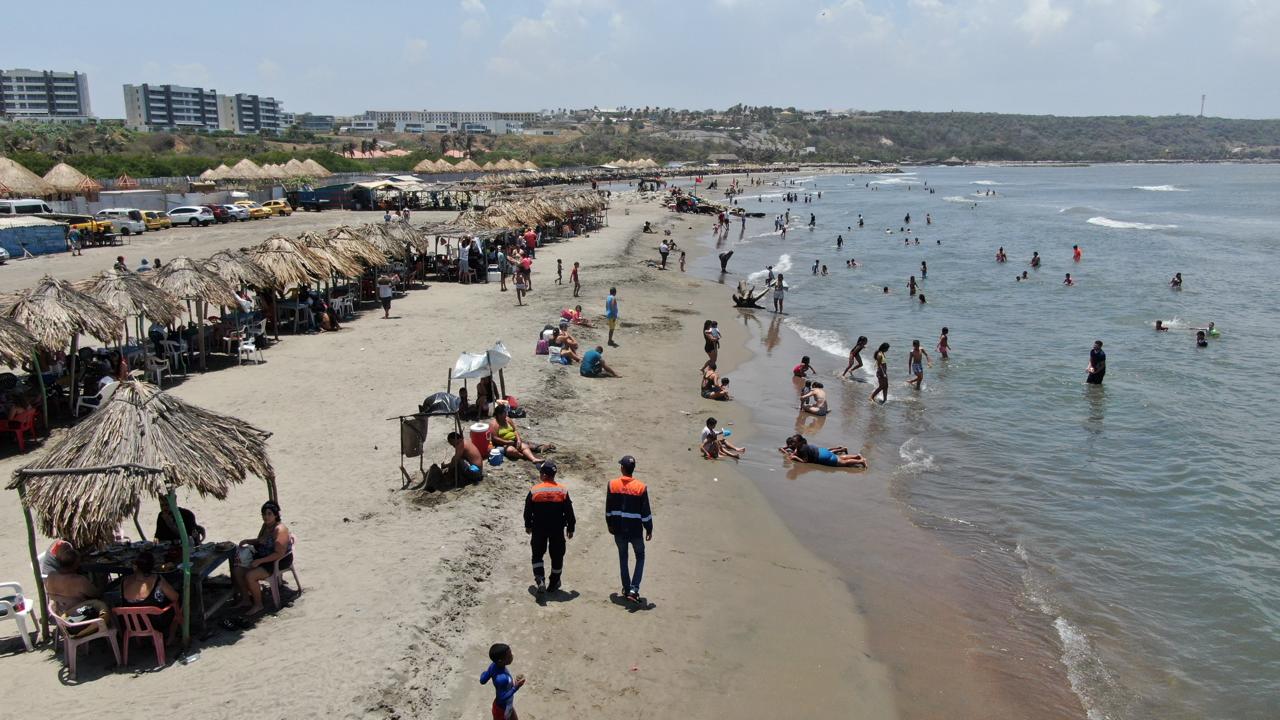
(1129, 533)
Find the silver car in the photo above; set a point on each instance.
(192, 215)
(236, 212)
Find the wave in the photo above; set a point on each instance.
(985, 182)
(781, 265)
(769, 196)
(897, 181)
(960, 199)
(914, 458)
(1123, 225)
(827, 341)
(1077, 210)
(1159, 188)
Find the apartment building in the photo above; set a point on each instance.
(249, 114)
(446, 121)
(44, 95)
(170, 107)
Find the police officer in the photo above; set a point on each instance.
(548, 518)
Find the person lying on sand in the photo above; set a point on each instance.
(503, 434)
(799, 449)
(575, 316)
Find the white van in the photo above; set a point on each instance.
(125, 220)
(24, 207)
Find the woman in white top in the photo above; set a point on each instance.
(779, 290)
(385, 285)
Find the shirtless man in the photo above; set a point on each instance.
(466, 460)
(915, 360)
(69, 591)
(814, 401)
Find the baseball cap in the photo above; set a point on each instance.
(548, 468)
(628, 462)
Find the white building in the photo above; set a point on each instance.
(44, 95)
(170, 107)
(447, 121)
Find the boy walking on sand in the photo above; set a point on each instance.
(504, 686)
(559, 271)
(573, 278)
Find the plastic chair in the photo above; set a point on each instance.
(176, 352)
(284, 563)
(249, 349)
(14, 605)
(93, 402)
(157, 368)
(135, 622)
(71, 645)
(24, 423)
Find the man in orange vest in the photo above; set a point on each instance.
(548, 518)
(626, 512)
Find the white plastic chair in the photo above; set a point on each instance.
(276, 572)
(93, 402)
(249, 349)
(14, 605)
(158, 368)
(176, 352)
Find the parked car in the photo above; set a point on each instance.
(28, 206)
(237, 212)
(86, 224)
(256, 211)
(4, 256)
(220, 213)
(156, 219)
(125, 220)
(278, 207)
(192, 215)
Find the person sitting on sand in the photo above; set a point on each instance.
(798, 449)
(271, 545)
(503, 434)
(718, 391)
(575, 316)
(714, 443)
(466, 461)
(814, 401)
(593, 364)
(486, 395)
(804, 368)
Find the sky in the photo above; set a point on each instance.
(1061, 57)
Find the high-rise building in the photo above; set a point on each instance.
(44, 95)
(170, 107)
(244, 113)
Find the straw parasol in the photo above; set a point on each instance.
(340, 263)
(529, 165)
(467, 165)
(192, 282)
(287, 262)
(425, 166)
(357, 245)
(55, 313)
(17, 180)
(140, 442)
(16, 343)
(315, 169)
(295, 169)
(70, 181)
(222, 172)
(131, 295)
(237, 268)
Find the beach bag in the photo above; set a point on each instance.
(542, 348)
(553, 351)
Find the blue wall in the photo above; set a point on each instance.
(40, 239)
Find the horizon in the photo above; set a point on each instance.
(1067, 58)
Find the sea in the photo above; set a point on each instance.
(1026, 544)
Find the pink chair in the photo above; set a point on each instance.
(136, 623)
(71, 645)
(284, 563)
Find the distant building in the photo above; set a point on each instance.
(315, 123)
(44, 95)
(723, 158)
(447, 121)
(170, 107)
(250, 114)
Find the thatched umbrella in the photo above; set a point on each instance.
(358, 245)
(140, 443)
(340, 263)
(70, 181)
(16, 343)
(56, 313)
(295, 169)
(237, 268)
(425, 166)
(21, 182)
(315, 169)
(467, 165)
(192, 282)
(246, 169)
(130, 295)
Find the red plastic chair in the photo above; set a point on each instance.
(24, 423)
(135, 622)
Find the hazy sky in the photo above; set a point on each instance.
(1067, 57)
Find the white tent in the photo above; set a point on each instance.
(477, 365)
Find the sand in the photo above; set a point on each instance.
(405, 591)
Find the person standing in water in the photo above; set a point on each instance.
(1075, 253)
(915, 360)
(779, 292)
(855, 356)
(1176, 282)
(911, 285)
(882, 374)
(1035, 260)
(839, 241)
(1068, 281)
(1097, 364)
(944, 344)
(924, 269)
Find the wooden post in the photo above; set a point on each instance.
(204, 352)
(502, 384)
(142, 535)
(35, 560)
(186, 566)
(75, 386)
(44, 396)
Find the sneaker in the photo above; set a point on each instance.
(554, 585)
(634, 596)
(542, 588)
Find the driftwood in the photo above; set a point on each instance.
(747, 297)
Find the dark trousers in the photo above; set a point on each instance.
(540, 542)
(630, 582)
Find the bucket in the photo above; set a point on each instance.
(480, 437)
(495, 457)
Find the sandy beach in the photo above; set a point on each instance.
(405, 591)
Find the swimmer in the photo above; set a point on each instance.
(924, 270)
(882, 374)
(855, 356)
(1024, 275)
(886, 289)
(1035, 260)
(803, 369)
(824, 269)
(1161, 327)
(922, 300)
(911, 285)
(814, 401)
(944, 344)
(798, 449)
(1000, 256)
(915, 360)
(1200, 339)
(1068, 281)
(1209, 330)
(1075, 253)
(1176, 282)
(839, 241)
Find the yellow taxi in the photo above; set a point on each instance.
(256, 211)
(278, 207)
(156, 220)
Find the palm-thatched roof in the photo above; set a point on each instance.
(295, 169)
(237, 268)
(16, 343)
(128, 294)
(137, 426)
(315, 169)
(425, 166)
(190, 280)
(246, 169)
(222, 172)
(288, 262)
(530, 209)
(68, 180)
(467, 165)
(54, 312)
(20, 182)
(529, 165)
(356, 243)
(340, 263)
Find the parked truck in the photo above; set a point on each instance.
(346, 196)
